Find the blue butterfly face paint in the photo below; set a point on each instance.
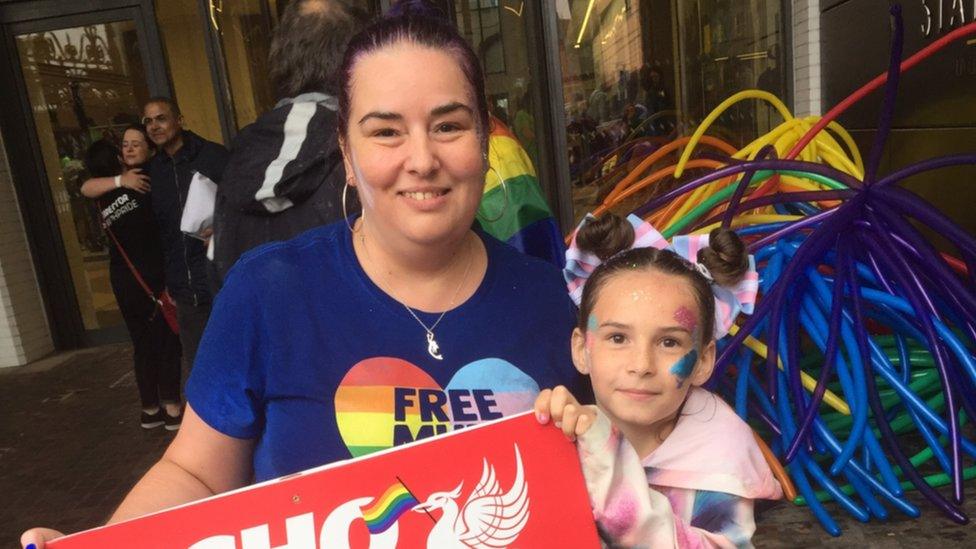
(685, 366)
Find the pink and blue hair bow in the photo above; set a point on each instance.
(729, 301)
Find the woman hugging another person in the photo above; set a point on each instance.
(121, 190)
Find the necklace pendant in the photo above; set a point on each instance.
(432, 348)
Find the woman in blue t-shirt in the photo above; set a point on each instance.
(390, 326)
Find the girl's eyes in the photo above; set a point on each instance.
(670, 343)
(617, 339)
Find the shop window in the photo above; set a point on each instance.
(486, 34)
(244, 30)
(182, 28)
(639, 72)
(83, 83)
(497, 32)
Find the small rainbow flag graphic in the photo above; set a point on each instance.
(396, 501)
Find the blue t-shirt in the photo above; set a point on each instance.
(305, 353)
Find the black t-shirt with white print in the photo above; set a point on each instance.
(128, 215)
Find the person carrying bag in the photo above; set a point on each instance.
(136, 272)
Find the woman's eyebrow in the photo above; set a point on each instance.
(437, 111)
(449, 108)
(382, 115)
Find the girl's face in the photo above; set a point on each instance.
(642, 348)
(135, 150)
(413, 148)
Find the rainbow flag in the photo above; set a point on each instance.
(521, 217)
(396, 501)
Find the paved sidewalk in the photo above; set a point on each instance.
(71, 447)
(70, 441)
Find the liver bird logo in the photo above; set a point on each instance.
(489, 519)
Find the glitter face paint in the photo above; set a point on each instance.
(686, 318)
(592, 325)
(641, 295)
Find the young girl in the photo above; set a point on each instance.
(666, 462)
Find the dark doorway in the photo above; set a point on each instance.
(77, 77)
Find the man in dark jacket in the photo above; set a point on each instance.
(181, 156)
(285, 174)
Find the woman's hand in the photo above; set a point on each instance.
(37, 538)
(136, 180)
(566, 412)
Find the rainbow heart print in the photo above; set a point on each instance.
(384, 402)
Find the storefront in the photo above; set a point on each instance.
(573, 79)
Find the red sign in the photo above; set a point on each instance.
(508, 483)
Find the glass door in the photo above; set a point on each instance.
(83, 78)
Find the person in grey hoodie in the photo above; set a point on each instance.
(285, 173)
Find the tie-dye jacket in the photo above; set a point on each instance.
(695, 490)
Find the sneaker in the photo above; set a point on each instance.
(173, 422)
(151, 421)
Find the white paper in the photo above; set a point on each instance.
(199, 208)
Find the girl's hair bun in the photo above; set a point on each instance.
(414, 8)
(726, 257)
(606, 236)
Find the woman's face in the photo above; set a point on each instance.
(135, 150)
(642, 347)
(413, 148)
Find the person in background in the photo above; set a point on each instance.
(656, 97)
(121, 190)
(523, 124)
(285, 171)
(599, 103)
(181, 156)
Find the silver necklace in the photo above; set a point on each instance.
(433, 349)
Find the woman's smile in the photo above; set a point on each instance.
(425, 199)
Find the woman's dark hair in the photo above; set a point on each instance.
(102, 159)
(141, 129)
(416, 22)
(308, 44)
(609, 238)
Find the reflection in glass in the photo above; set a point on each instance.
(637, 73)
(244, 28)
(496, 30)
(182, 29)
(83, 84)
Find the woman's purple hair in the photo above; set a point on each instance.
(416, 22)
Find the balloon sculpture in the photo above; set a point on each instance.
(862, 343)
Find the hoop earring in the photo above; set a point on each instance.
(504, 208)
(345, 214)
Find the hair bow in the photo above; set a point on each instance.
(729, 301)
